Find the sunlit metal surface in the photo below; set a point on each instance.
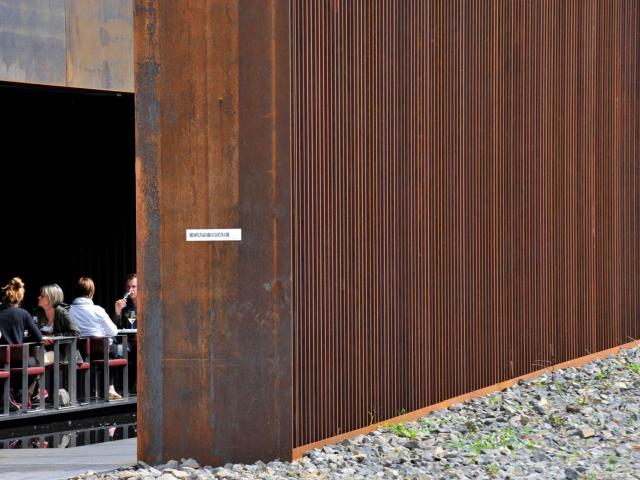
(212, 113)
(73, 43)
(465, 197)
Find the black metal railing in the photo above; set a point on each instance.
(62, 364)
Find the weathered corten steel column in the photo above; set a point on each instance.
(212, 117)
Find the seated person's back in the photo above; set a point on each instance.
(14, 321)
(91, 319)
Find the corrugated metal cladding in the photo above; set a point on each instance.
(466, 197)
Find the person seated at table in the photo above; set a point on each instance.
(126, 308)
(14, 322)
(93, 321)
(126, 315)
(54, 318)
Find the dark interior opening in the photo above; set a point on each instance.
(67, 189)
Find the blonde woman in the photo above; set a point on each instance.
(53, 315)
(54, 319)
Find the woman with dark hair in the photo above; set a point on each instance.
(14, 321)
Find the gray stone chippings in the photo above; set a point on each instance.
(575, 423)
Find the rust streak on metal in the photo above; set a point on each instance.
(99, 44)
(212, 82)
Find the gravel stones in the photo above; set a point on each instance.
(569, 424)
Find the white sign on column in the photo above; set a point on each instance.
(214, 234)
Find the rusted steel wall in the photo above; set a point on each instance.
(212, 117)
(74, 43)
(32, 42)
(100, 44)
(466, 197)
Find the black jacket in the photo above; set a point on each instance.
(63, 324)
(13, 323)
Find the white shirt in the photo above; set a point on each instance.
(92, 320)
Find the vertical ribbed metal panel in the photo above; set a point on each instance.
(465, 197)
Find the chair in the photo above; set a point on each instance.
(99, 358)
(19, 359)
(84, 347)
(64, 349)
(5, 376)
